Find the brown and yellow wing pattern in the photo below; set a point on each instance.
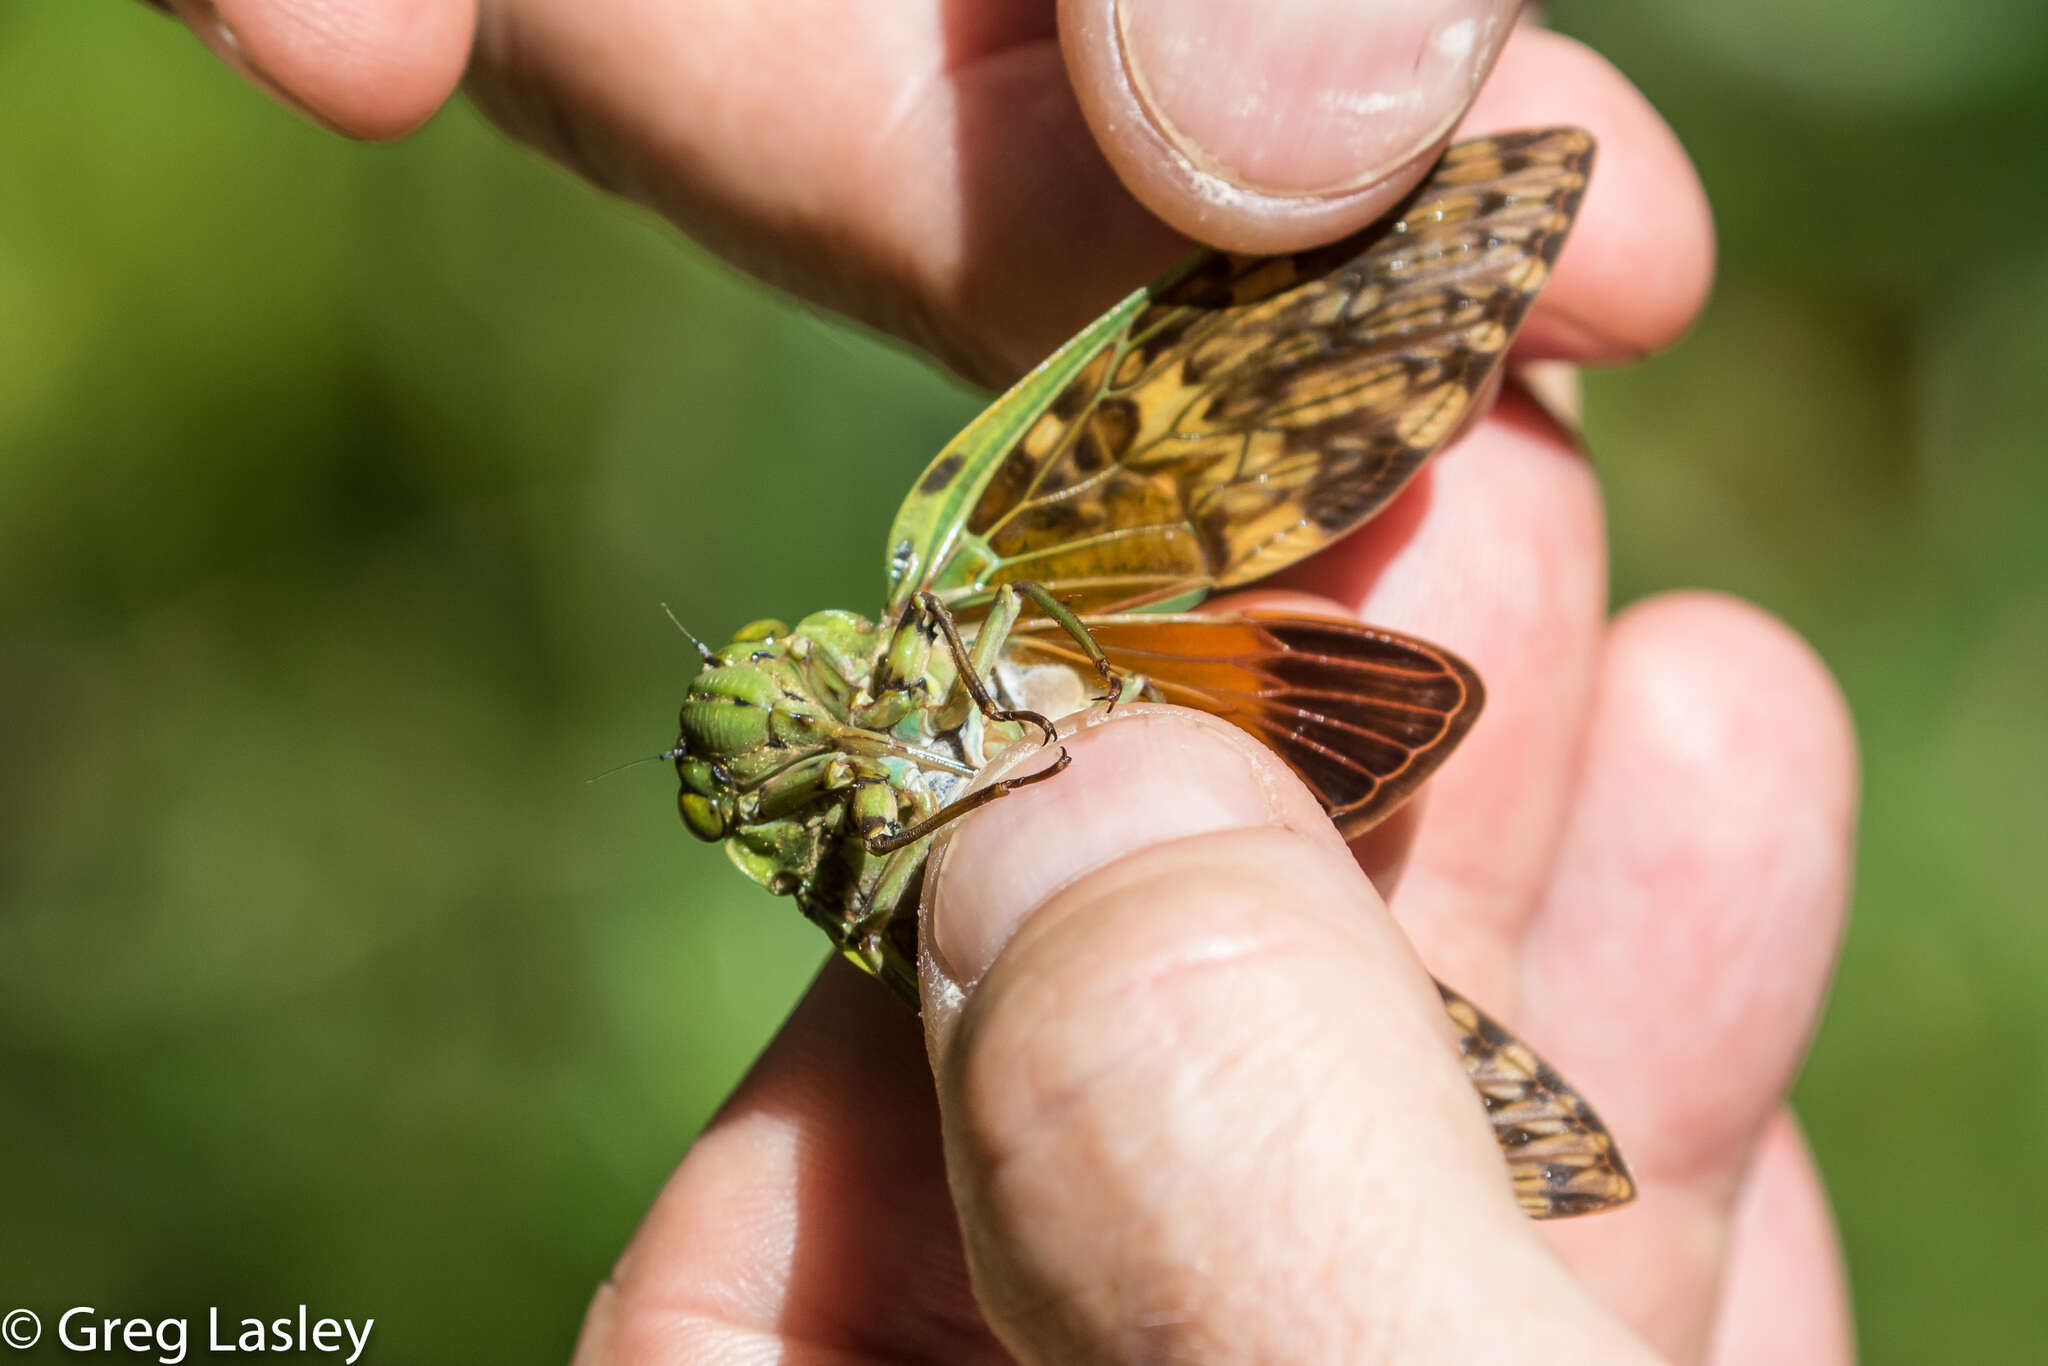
(1248, 410)
(1363, 715)
(1560, 1156)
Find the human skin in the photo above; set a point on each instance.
(1182, 1090)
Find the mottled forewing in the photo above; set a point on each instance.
(1247, 410)
(1560, 1156)
(1363, 715)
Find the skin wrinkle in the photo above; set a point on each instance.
(679, 1316)
(911, 105)
(957, 66)
(734, 1300)
(1059, 1102)
(1074, 185)
(691, 1337)
(1198, 1283)
(1395, 1247)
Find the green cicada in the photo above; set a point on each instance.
(1212, 428)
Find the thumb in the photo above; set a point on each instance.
(1270, 125)
(1199, 1100)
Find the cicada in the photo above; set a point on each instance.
(1212, 428)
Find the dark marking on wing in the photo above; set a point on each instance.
(1256, 408)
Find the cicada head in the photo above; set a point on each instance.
(761, 705)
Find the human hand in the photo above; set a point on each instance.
(1200, 1104)
(930, 170)
(1638, 859)
(1195, 1095)
(1195, 1099)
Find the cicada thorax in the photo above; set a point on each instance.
(798, 746)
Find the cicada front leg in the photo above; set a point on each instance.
(876, 811)
(875, 806)
(975, 667)
(888, 837)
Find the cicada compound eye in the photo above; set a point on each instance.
(702, 815)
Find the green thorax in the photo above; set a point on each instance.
(796, 743)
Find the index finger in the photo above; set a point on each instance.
(930, 170)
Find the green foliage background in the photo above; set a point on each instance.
(337, 490)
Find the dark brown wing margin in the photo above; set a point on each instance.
(1363, 715)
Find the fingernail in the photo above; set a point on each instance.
(1307, 97)
(1136, 780)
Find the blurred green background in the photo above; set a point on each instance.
(338, 487)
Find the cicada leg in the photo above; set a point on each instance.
(1062, 617)
(886, 837)
(882, 939)
(970, 670)
(994, 632)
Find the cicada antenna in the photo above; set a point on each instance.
(662, 757)
(703, 650)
